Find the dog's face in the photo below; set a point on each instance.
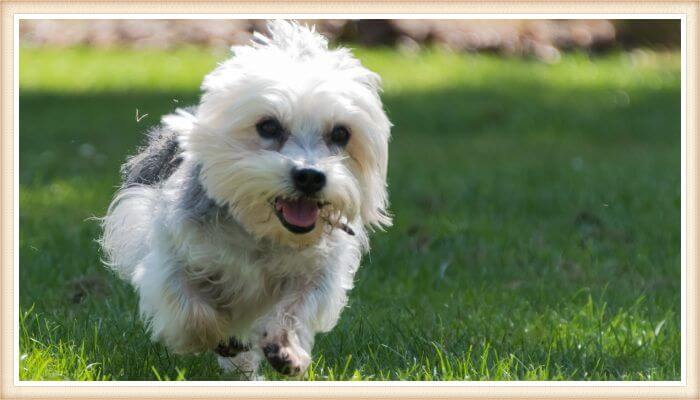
(293, 138)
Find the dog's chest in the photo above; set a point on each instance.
(238, 273)
(245, 273)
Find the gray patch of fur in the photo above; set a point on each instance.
(195, 200)
(154, 162)
(157, 160)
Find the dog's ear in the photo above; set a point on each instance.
(375, 203)
(374, 210)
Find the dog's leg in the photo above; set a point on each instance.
(176, 313)
(287, 334)
(286, 350)
(238, 359)
(243, 365)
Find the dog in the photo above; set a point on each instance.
(242, 221)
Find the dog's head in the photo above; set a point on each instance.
(292, 137)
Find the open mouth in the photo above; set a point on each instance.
(297, 215)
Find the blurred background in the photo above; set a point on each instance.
(534, 178)
(543, 39)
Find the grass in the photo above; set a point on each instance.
(537, 219)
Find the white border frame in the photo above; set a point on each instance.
(158, 16)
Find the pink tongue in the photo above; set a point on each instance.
(301, 212)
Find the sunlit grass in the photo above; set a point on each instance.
(78, 70)
(536, 235)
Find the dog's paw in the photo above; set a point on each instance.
(285, 358)
(231, 348)
(242, 367)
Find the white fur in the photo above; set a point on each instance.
(253, 279)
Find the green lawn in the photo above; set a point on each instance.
(537, 219)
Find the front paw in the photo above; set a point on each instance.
(285, 358)
(231, 348)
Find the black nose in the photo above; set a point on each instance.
(308, 180)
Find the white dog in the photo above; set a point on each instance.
(242, 222)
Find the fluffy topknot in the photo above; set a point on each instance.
(299, 41)
(292, 37)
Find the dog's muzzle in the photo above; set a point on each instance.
(308, 180)
(297, 215)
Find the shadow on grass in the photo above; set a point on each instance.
(55, 126)
(508, 202)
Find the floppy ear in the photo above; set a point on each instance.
(374, 210)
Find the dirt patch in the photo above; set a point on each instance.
(89, 285)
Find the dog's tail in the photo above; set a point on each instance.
(127, 229)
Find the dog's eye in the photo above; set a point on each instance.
(340, 135)
(269, 128)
